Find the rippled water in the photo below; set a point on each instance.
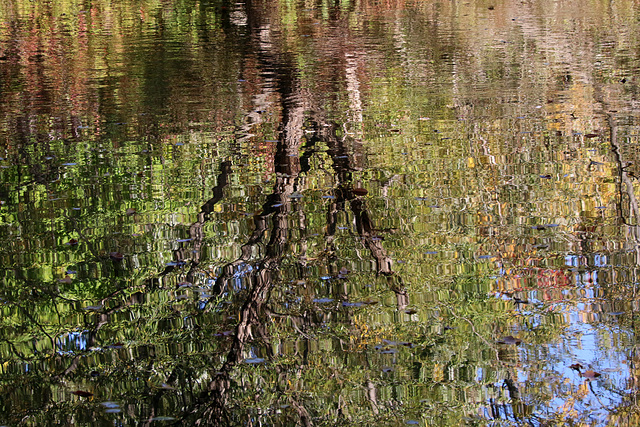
(319, 213)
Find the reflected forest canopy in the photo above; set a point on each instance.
(403, 212)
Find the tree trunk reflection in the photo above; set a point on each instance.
(260, 276)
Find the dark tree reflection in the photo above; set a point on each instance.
(274, 221)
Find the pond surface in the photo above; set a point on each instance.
(319, 212)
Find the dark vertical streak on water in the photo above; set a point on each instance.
(277, 206)
(615, 150)
(193, 249)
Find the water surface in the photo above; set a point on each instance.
(319, 213)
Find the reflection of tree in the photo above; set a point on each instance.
(247, 282)
(212, 409)
(270, 236)
(628, 218)
(260, 275)
(193, 250)
(346, 194)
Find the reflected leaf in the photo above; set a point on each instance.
(116, 345)
(110, 405)
(116, 256)
(509, 340)
(352, 304)
(82, 393)
(411, 311)
(130, 211)
(590, 374)
(576, 366)
(179, 263)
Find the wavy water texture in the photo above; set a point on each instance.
(320, 212)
